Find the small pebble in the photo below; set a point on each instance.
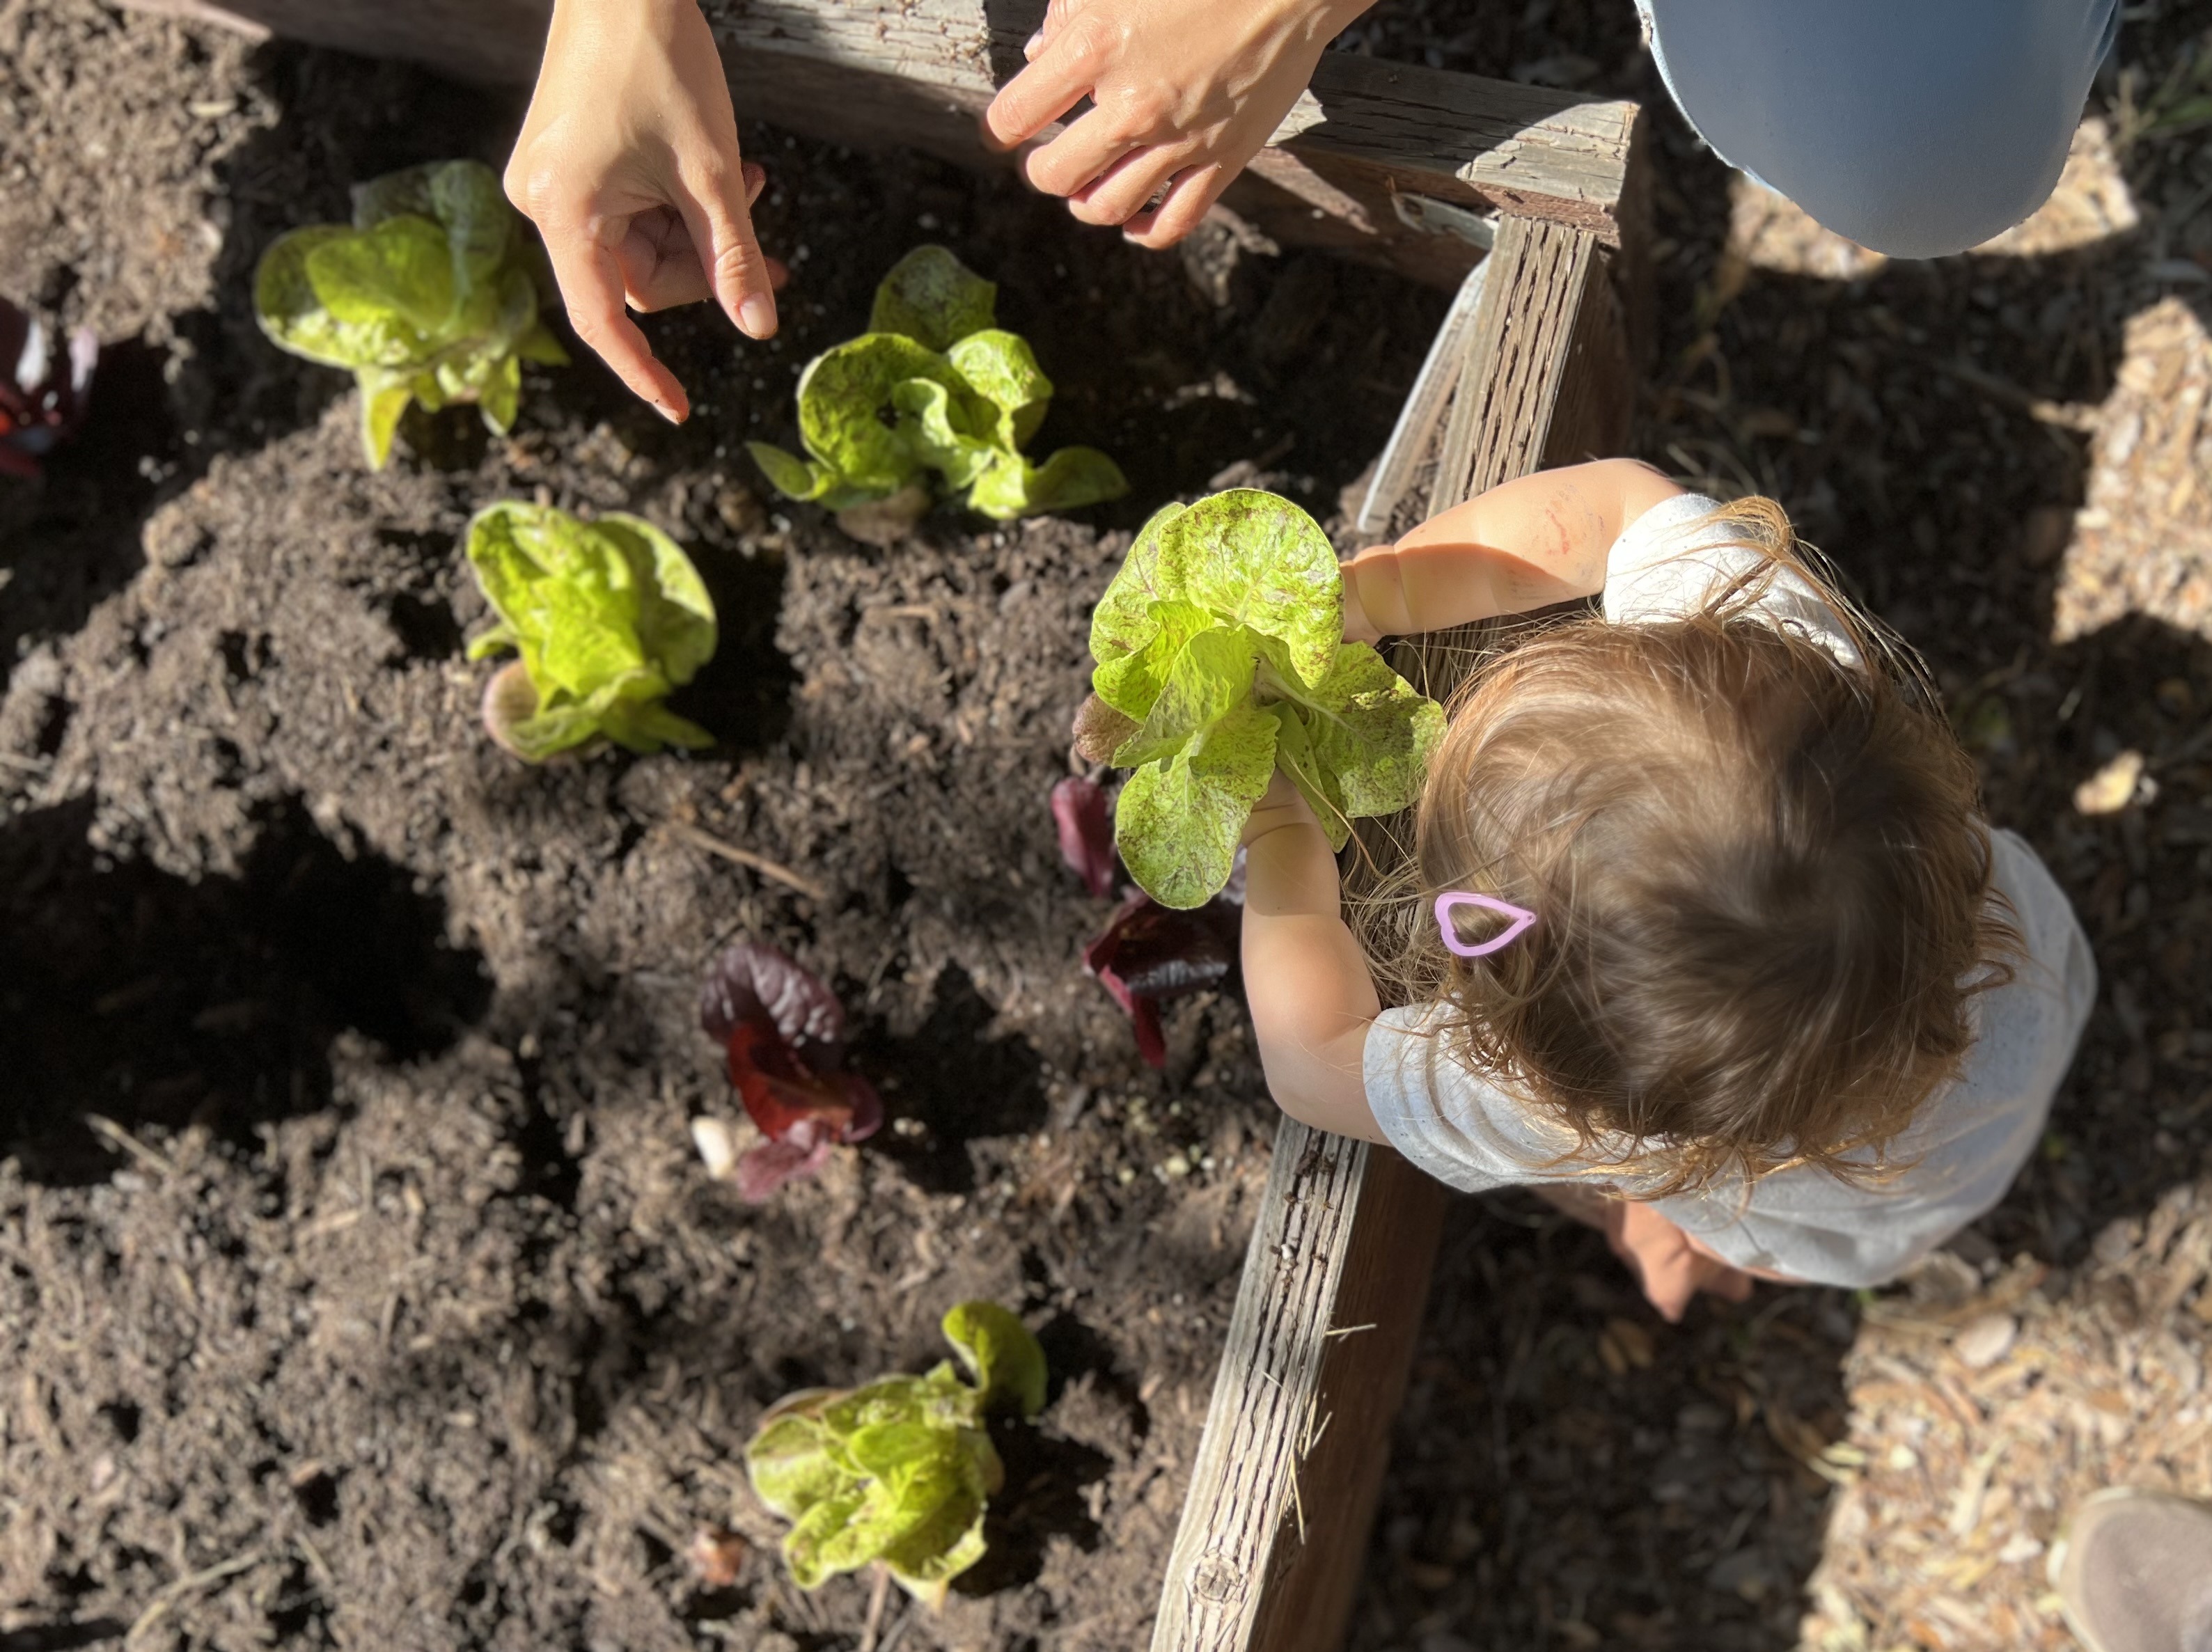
(1982, 1342)
(718, 1148)
(2112, 787)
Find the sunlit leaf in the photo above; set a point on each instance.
(933, 391)
(933, 298)
(608, 617)
(433, 289)
(1221, 638)
(898, 1470)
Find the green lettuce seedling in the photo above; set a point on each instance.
(932, 387)
(431, 296)
(1221, 658)
(608, 616)
(898, 1470)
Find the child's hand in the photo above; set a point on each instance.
(1282, 805)
(629, 164)
(1185, 96)
(1670, 1263)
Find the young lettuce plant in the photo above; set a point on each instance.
(1221, 657)
(899, 1470)
(932, 387)
(784, 1033)
(1147, 952)
(42, 400)
(432, 297)
(608, 616)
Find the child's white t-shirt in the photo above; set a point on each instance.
(1970, 1138)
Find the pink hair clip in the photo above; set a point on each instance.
(1522, 918)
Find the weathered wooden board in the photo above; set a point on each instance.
(884, 73)
(1283, 1489)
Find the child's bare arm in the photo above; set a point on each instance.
(1305, 977)
(1540, 539)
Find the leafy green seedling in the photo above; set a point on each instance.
(608, 616)
(898, 1470)
(1221, 658)
(932, 387)
(432, 297)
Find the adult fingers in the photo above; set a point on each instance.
(660, 263)
(1068, 65)
(590, 279)
(660, 267)
(1056, 16)
(1077, 157)
(715, 201)
(1127, 186)
(1190, 197)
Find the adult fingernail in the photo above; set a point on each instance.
(1029, 46)
(756, 181)
(756, 315)
(668, 412)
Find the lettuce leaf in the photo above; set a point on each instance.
(899, 1470)
(934, 389)
(608, 616)
(1221, 638)
(432, 295)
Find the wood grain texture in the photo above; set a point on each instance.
(1283, 1485)
(1275, 1525)
(880, 73)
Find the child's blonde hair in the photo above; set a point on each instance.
(1761, 884)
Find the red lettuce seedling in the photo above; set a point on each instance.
(42, 400)
(785, 1033)
(1147, 952)
(1086, 832)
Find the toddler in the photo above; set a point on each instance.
(1708, 940)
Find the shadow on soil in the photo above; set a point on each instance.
(947, 1084)
(146, 998)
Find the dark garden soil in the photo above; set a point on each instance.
(359, 1283)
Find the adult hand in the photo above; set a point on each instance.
(629, 164)
(1185, 95)
(1672, 1266)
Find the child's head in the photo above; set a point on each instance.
(1757, 875)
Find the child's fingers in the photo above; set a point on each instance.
(1282, 806)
